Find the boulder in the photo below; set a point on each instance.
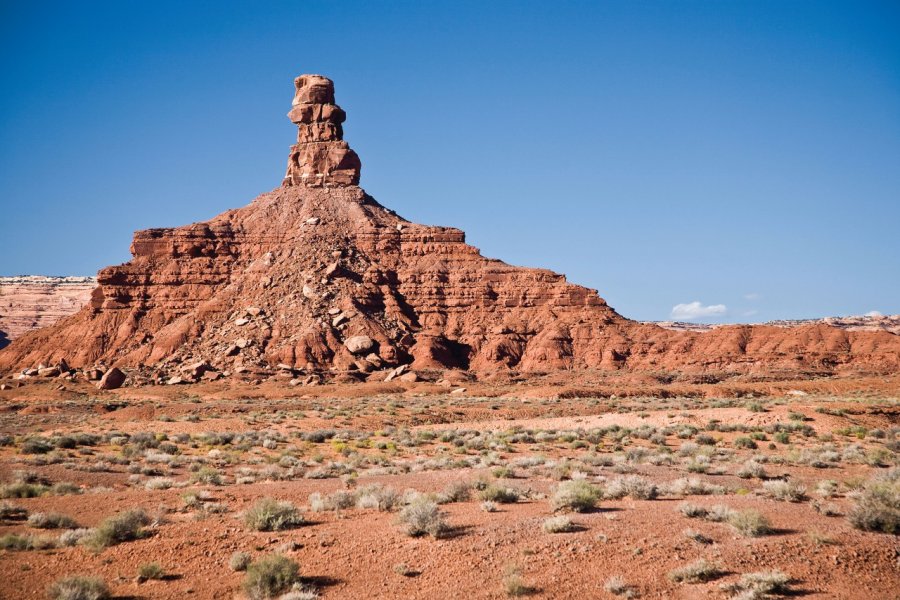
(359, 344)
(112, 379)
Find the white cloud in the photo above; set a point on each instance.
(873, 313)
(696, 310)
(752, 296)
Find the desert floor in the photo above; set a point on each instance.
(752, 476)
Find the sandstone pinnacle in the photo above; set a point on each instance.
(320, 157)
(316, 278)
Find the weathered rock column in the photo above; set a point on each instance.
(320, 157)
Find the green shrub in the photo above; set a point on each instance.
(239, 561)
(423, 516)
(269, 514)
(559, 524)
(635, 486)
(51, 521)
(617, 586)
(759, 585)
(503, 495)
(16, 542)
(23, 490)
(576, 495)
(458, 491)
(696, 572)
(120, 528)
(270, 576)
(745, 442)
(207, 475)
(513, 583)
(786, 491)
(151, 571)
(750, 523)
(877, 506)
(11, 512)
(78, 588)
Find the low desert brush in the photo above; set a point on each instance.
(270, 577)
(120, 528)
(78, 588)
(269, 514)
(51, 521)
(423, 517)
(576, 495)
(750, 523)
(696, 572)
(756, 586)
(559, 524)
(877, 505)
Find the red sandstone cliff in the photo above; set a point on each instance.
(316, 275)
(33, 301)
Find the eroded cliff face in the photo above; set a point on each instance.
(317, 276)
(32, 301)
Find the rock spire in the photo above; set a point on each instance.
(320, 157)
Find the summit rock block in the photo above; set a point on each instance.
(317, 277)
(320, 157)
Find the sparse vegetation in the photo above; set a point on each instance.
(269, 514)
(270, 576)
(617, 586)
(559, 524)
(575, 495)
(78, 588)
(697, 572)
(423, 517)
(757, 586)
(750, 523)
(786, 491)
(239, 561)
(877, 506)
(120, 528)
(151, 570)
(51, 521)
(501, 495)
(513, 583)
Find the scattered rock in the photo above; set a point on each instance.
(396, 372)
(358, 344)
(112, 379)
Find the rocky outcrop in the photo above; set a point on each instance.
(30, 302)
(870, 322)
(320, 156)
(317, 279)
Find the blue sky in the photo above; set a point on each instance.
(743, 156)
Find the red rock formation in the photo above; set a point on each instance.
(289, 280)
(33, 301)
(320, 156)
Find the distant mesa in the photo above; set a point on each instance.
(30, 302)
(316, 281)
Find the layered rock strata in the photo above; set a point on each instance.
(31, 301)
(317, 277)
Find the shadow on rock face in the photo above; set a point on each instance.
(4, 340)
